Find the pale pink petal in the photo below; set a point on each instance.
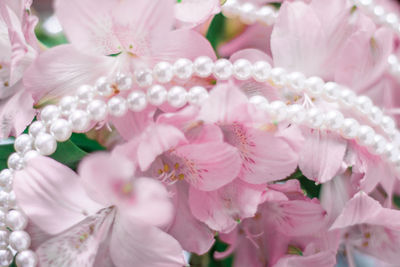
(78, 245)
(61, 70)
(51, 195)
(134, 243)
(194, 12)
(221, 209)
(208, 166)
(321, 259)
(322, 155)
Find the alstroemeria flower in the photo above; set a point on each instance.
(104, 217)
(18, 46)
(191, 13)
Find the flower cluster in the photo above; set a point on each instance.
(268, 147)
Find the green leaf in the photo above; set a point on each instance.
(5, 151)
(85, 143)
(68, 154)
(216, 30)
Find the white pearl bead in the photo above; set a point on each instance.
(197, 95)
(348, 98)
(4, 202)
(15, 162)
(68, 104)
(391, 19)
(366, 3)
(350, 128)
(49, 113)
(16, 220)
(137, 101)
(230, 8)
(4, 235)
(277, 111)
(20, 240)
(364, 104)
(366, 135)
(259, 102)
(296, 81)
(6, 257)
(123, 82)
(266, 14)
(36, 127)
(278, 76)
(61, 130)
(103, 87)
(391, 152)
(183, 68)
(6, 179)
(12, 200)
(97, 110)
(203, 66)
(26, 258)
(388, 124)
(331, 91)
(378, 145)
(223, 69)
(23, 143)
(379, 12)
(45, 144)
(376, 115)
(296, 113)
(117, 106)
(314, 86)
(261, 71)
(80, 120)
(315, 118)
(85, 94)
(334, 120)
(242, 69)
(30, 155)
(163, 72)
(156, 95)
(144, 77)
(247, 11)
(177, 96)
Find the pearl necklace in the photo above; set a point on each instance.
(93, 104)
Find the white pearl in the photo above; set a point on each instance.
(366, 3)
(266, 14)
(366, 135)
(23, 143)
(177, 96)
(85, 94)
(203, 66)
(197, 95)
(163, 72)
(117, 106)
(391, 19)
(379, 12)
(4, 234)
(261, 71)
(45, 144)
(242, 69)
(314, 86)
(26, 258)
(331, 91)
(97, 110)
(278, 76)
(36, 127)
(277, 111)
(183, 68)
(376, 115)
(296, 113)
(296, 81)
(103, 87)
(61, 130)
(68, 104)
(80, 120)
(6, 257)
(4, 202)
(124, 82)
(378, 145)
(137, 101)
(20, 240)
(156, 95)
(16, 220)
(334, 120)
(223, 69)
(391, 152)
(12, 200)
(15, 162)
(364, 104)
(49, 113)
(315, 118)
(350, 128)
(259, 102)
(144, 77)
(6, 179)
(247, 11)
(347, 98)
(30, 155)
(230, 8)
(388, 124)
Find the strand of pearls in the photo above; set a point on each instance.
(334, 121)
(248, 13)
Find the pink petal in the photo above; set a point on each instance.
(51, 195)
(221, 209)
(194, 12)
(209, 166)
(134, 243)
(78, 245)
(322, 155)
(323, 259)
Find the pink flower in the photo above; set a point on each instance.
(105, 217)
(194, 12)
(18, 47)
